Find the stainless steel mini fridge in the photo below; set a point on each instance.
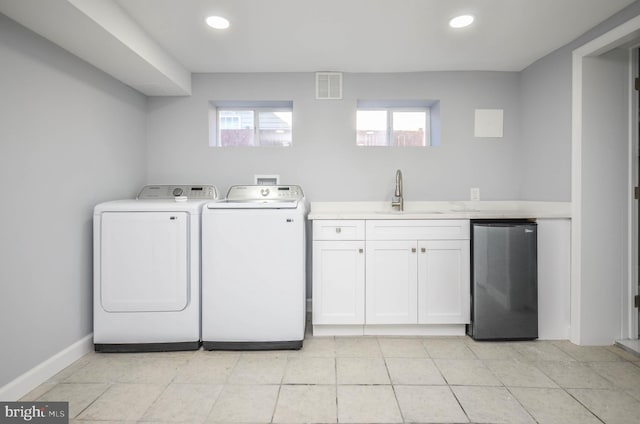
(504, 280)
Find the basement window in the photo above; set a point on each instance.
(250, 124)
(395, 123)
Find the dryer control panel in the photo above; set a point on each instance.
(199, 192)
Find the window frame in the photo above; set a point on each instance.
(257, 108)
(390, 111)
(430, 107)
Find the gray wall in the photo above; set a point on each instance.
(546, 117)
(70, 137)
(545, 93)
(324, 158)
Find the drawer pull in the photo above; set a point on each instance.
(338, 230)
(413, 250)
(423, 250)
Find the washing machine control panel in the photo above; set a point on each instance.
(276, 193)
(196, 192)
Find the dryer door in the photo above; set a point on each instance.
(144, 261)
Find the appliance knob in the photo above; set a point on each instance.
(264, 192)
(177, 191)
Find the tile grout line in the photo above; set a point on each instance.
(459, 403)
(222, 386)
(109, 385)
(524, 408)
(165, 389)
(583, 405)
(275, 405)
(494, 376)
(335, 373)
(393, 387)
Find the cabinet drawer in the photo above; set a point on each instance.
(342, 229)
(418, 229)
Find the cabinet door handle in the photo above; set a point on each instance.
(361, 250)
(338, 230)
(413, 250)
(423, 250)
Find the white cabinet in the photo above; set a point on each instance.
(392, 282)
(338, 282)
(443, 282)
(391, 276)
(417, 272)
(338, 272)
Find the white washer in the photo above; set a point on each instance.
(146, 293)
(253, 269)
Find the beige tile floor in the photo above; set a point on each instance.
(357, 380)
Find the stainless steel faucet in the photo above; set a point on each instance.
(398, 199)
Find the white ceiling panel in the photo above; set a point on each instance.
(154, 45)
(365, 35)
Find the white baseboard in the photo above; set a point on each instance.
(390, 330)
(37, 375)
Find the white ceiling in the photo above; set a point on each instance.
(365, 35)
(125, 37)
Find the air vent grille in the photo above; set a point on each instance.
(328, 85)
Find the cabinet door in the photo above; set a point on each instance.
(392, 282)
(444, 286)
(338, 282)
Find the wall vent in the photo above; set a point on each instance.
(328, 85)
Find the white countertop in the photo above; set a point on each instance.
(440, 210)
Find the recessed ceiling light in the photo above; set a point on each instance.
(217, 22)
(461, 21)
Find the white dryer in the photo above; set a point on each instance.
(146, 293)
(253, 269)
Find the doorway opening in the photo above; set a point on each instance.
(631, 332)
(605, 163)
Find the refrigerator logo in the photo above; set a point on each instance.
(526, 230)
(289, 219)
